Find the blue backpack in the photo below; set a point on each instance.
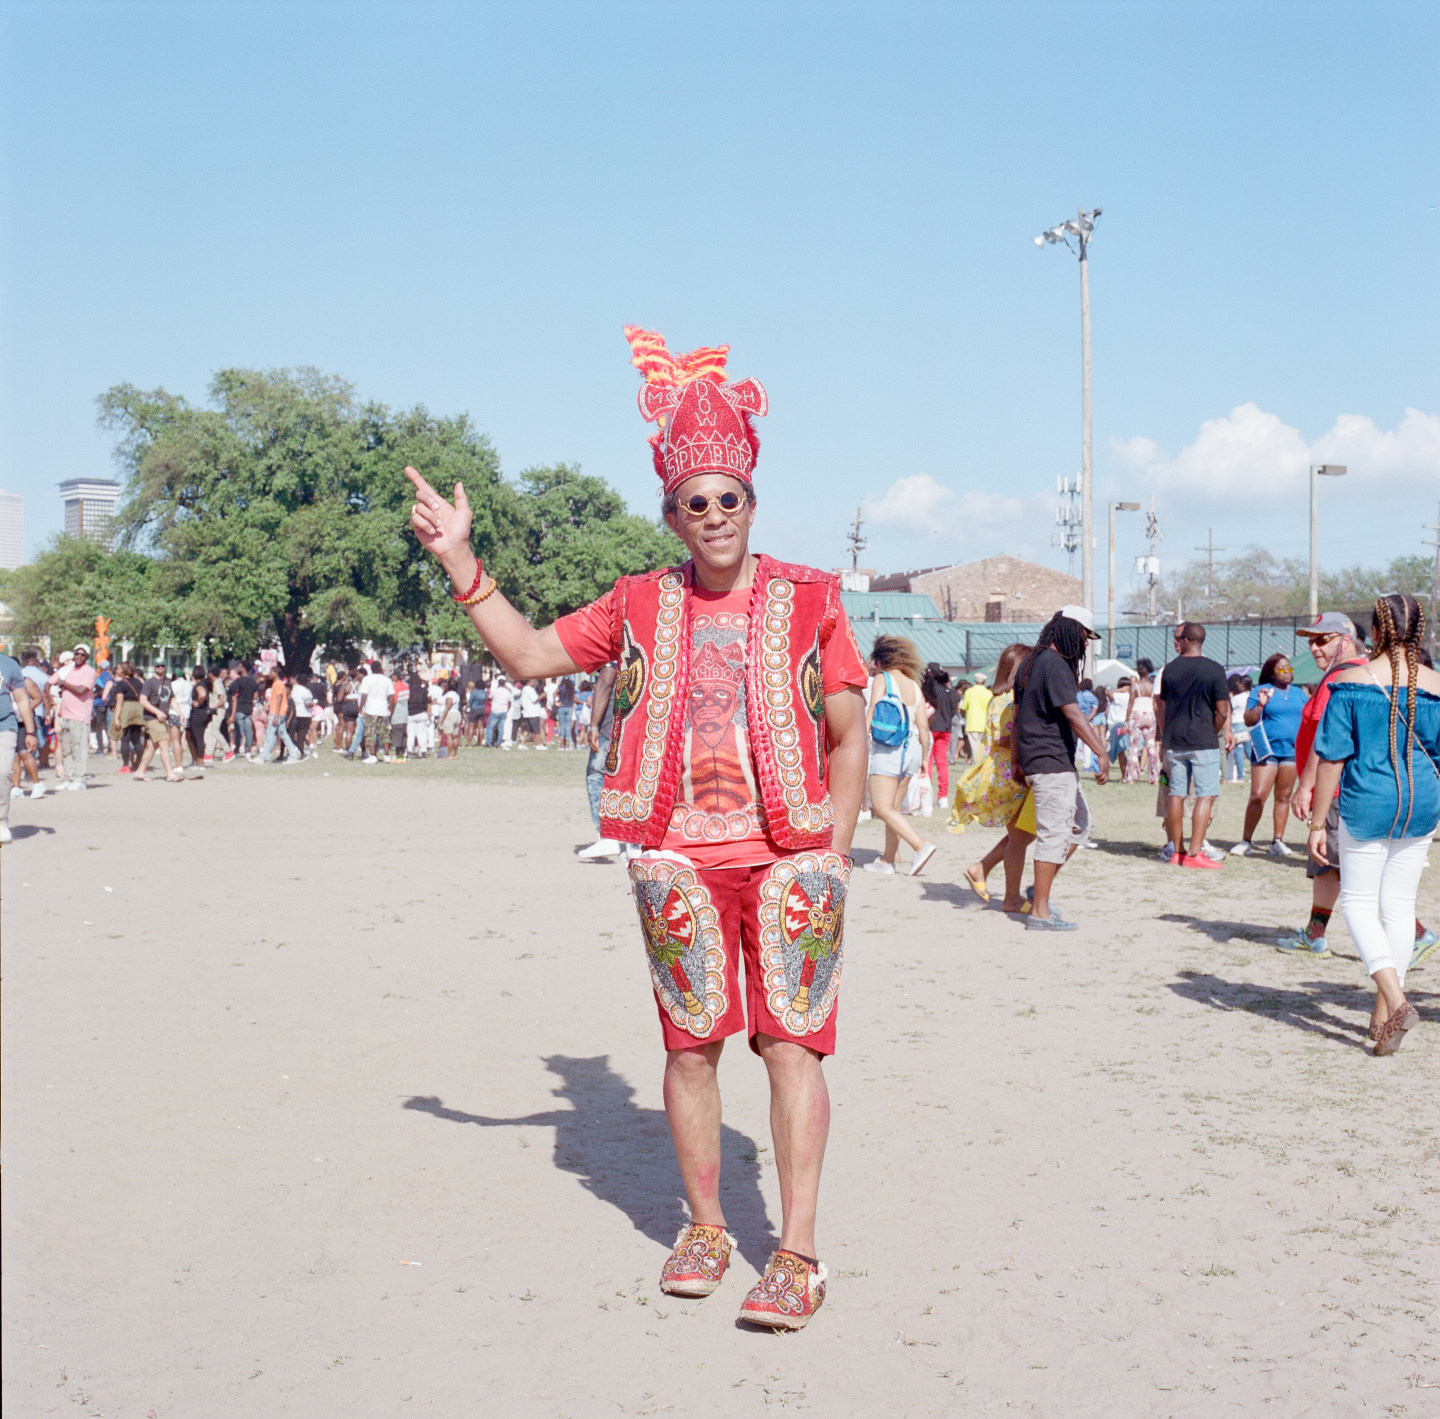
(890, 719)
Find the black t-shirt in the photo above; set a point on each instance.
(242, 691)
(1044, 737)
(159, 693)
(565, 695)
(419, 702)
(1192, 689)
(942, 709)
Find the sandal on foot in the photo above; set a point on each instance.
(788, 1294)
(1392, 1033)
(977, 886)
(697, 1264)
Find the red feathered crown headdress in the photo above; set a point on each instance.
(705, 422)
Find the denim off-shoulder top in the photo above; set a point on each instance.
(1356, 728)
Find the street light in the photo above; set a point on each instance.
(1318, 470)
(1114, 508)
(1075, 236)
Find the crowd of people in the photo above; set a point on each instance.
(1357, 756)
(72, 710)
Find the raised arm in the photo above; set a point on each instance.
(444, 530)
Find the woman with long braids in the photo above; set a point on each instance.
(1380, 742)
(1048, 721)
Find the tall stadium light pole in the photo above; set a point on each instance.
(1114, 508)
(1075, 234)
(1317, 471)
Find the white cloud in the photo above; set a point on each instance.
(1138, 452)
(919, 521)
(1253, 454)
(921, 506)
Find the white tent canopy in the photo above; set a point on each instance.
(1108, 672)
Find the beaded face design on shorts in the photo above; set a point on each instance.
(683, 942)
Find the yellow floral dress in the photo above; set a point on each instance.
(986, 793)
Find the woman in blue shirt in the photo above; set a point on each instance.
(1273, 715)
(1379, 741)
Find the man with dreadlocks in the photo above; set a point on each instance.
(737, 760)
(1379, 742)
(1048, 721)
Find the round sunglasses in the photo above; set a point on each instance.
(698, 505)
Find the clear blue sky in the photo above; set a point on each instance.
(461, 204)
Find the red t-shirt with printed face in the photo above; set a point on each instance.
(718, 819)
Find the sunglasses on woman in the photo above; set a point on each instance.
(698, 505)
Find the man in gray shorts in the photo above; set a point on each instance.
(1047, 724)
(1192, 710)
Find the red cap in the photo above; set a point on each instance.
(705, 422)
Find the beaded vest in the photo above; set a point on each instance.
(792, 613)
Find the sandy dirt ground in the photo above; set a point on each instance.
(335, 1090)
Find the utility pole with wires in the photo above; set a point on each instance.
(857, 543)
(1149, 565)
(1209, 549)
(1434, 582)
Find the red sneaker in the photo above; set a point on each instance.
(1201, 861)
(697, 1264)
(124, 768)
(787, 1295)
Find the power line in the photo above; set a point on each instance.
(856, 542)
(1209, 549)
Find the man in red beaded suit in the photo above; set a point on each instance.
(737, 762)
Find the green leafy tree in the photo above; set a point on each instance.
(576, 538)
(73, 581)
(281, 513)
(284, 511)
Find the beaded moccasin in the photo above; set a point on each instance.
(787, 1295)
(697, 1265)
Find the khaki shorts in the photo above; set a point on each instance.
(1062, 816)
(155, 732)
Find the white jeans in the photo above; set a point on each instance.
(1378, 883)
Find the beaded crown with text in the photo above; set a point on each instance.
(705, 421)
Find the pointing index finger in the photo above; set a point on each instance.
(423, 490)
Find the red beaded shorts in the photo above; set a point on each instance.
(785, 918)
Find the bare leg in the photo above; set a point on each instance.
(1017, 843)
(886, 796)
(692, 1106)
(1175, 822)
(1389, 997)
(1044, 877)
(799, 1126)
(977, 872)
(1199, 822)
(1284, 786)
(1262, 780)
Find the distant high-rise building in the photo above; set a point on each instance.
(12, 531)
(90, 508)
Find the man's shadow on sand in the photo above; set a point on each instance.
(623, 1155)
